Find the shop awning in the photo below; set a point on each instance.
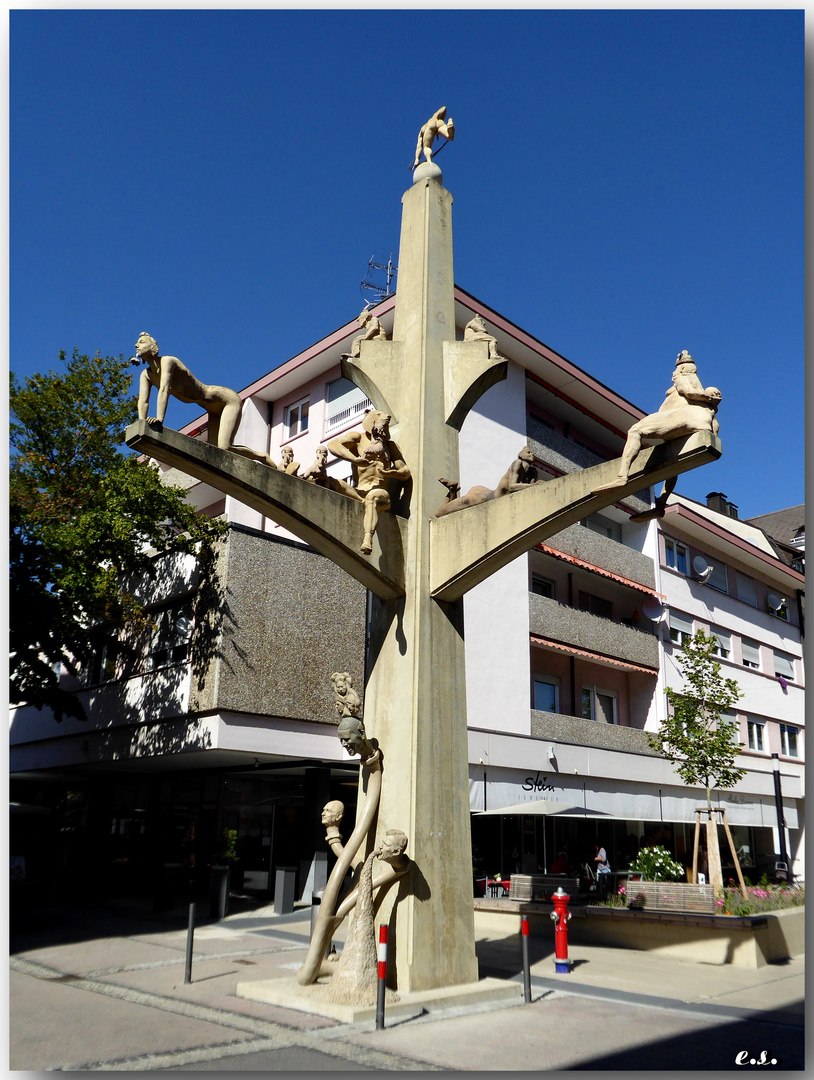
(543, 807)
(598, 658)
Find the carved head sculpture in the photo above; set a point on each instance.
(146, 344)
(365, 317)
(527, 454)
(392, 845)
(351, 732)
(376, 424)
(332, 812)
(684, 358)
(348, 702)
(287, 455)
(322, 454)
(477, 323)
(714, 394)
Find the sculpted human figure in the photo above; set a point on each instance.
(172, 377)
(317, 473)
(287, 462)
(332, 814)
(376, 460)
(435, 126)
(347, 702)
(520, 474)
(687, 408)
(475, 330)
(352, 735)
(372, 331)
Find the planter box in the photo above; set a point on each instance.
(671, 896)
(749, 941)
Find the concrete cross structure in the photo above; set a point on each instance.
(419, 570)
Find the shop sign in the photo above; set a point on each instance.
(537, 783)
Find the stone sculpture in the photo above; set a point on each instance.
(172, 377)
(317, 473)
(372, 331)
(347, 701)
(435, 126)
(332, 814)
(287, 462)
(687, 408)
(520, 474)
(352, 735)
(475, 330)
(376, 460)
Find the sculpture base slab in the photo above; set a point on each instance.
(288, 994)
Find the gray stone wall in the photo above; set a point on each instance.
(578, 732)
(550, 619)
(286, 618)
(600, 550)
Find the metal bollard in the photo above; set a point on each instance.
(190, 936)
(561, 916)
(382, 977)
(524, 930)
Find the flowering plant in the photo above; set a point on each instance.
(657, 864)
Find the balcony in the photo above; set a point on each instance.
(556, 621)
(601, 551)
(576, 731)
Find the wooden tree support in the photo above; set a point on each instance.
(715, 810)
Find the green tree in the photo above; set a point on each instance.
(697, 735)
(84, 514)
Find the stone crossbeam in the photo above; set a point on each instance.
(330, 522)
(471, 544)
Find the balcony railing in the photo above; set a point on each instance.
(346, 416)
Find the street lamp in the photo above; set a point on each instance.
(781, 821)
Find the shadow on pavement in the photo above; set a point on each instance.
(715, 1047)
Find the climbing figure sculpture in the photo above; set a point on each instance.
(435, 126)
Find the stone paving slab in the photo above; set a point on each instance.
(55, 1025)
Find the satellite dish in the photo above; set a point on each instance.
(774, 601)
(701, 567)
(653, 608)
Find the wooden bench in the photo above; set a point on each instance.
(532, 887)
(671, 896)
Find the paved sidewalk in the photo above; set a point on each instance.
(110, 984)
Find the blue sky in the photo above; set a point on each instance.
(626, 185)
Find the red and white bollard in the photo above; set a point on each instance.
(561, 916)
(382, 977)
(524, 931)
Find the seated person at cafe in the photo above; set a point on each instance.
(560, 864)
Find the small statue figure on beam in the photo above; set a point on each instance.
(173, 378)
(376, 460)
(520, 474)
(287, 463)
(475, 330)
(372, 330)
(687, 408)
(347, 702)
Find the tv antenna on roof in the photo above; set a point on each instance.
(375, 290)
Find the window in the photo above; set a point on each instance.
(542, 586)
(596, 605)
(747, 592)
(346, 403)
(717, 579)
(724, 646)
(172, 629)
(750, 651)
(754, 729)
(102, 666)
(783, 664)
(605, 526)
(788, 741)
(781, 612)
(680, 627)
(547, 693)
(599, 705)
(296, 419)
(675, 555)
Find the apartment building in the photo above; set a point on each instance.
(222, 716)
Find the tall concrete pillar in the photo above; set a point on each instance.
(415, 701)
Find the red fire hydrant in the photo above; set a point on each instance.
(561, 916)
